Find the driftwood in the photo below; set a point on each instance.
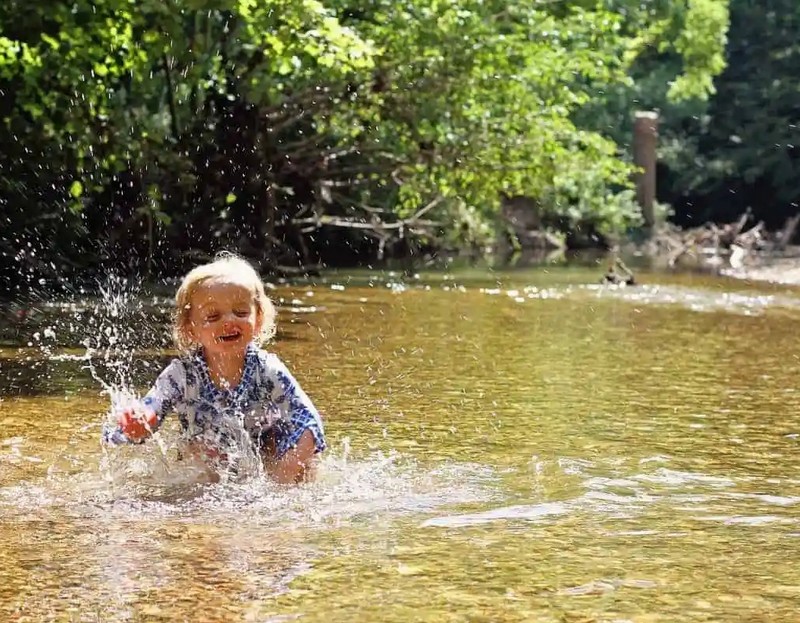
(378, 224)
(787, 233)
(619, 274)
(714, 245)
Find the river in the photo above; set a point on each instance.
(523, 446)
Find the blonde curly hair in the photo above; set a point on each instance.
(226, 268)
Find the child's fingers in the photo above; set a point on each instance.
(136, 425)
(124, 418)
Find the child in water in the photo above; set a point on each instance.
(225, 386)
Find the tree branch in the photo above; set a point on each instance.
(173, 113)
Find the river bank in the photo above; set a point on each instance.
(738, 250)
(785, 270)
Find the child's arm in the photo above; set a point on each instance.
(135, 423)
(297, 465)
(305, 435)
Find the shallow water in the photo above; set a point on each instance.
(517, 447)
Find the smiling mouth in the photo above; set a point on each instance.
(231, 337)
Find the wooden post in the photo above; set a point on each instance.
(645, 139)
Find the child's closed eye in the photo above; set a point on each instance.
(212, 317)
(242, 313)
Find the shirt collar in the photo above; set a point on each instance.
(235, 393)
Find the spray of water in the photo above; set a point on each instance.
(116, 337)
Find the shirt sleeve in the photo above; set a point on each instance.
(295, 406)
(168, 391)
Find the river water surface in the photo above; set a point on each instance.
(517, 447)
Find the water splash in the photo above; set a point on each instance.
(376, 487)
(115, 322)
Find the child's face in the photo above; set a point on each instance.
(223, 317)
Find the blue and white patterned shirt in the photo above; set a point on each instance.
(267, 401)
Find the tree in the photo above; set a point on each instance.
(262, 124)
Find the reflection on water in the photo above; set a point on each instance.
(513, 448)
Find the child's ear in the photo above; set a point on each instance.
(259, 319)
(188, 329)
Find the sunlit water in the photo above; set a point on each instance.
(531, 447)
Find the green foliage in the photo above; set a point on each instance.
(701, 45)
(204, 122)
(750, 133)
(736, 150)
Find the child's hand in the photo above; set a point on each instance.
(137, 423)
